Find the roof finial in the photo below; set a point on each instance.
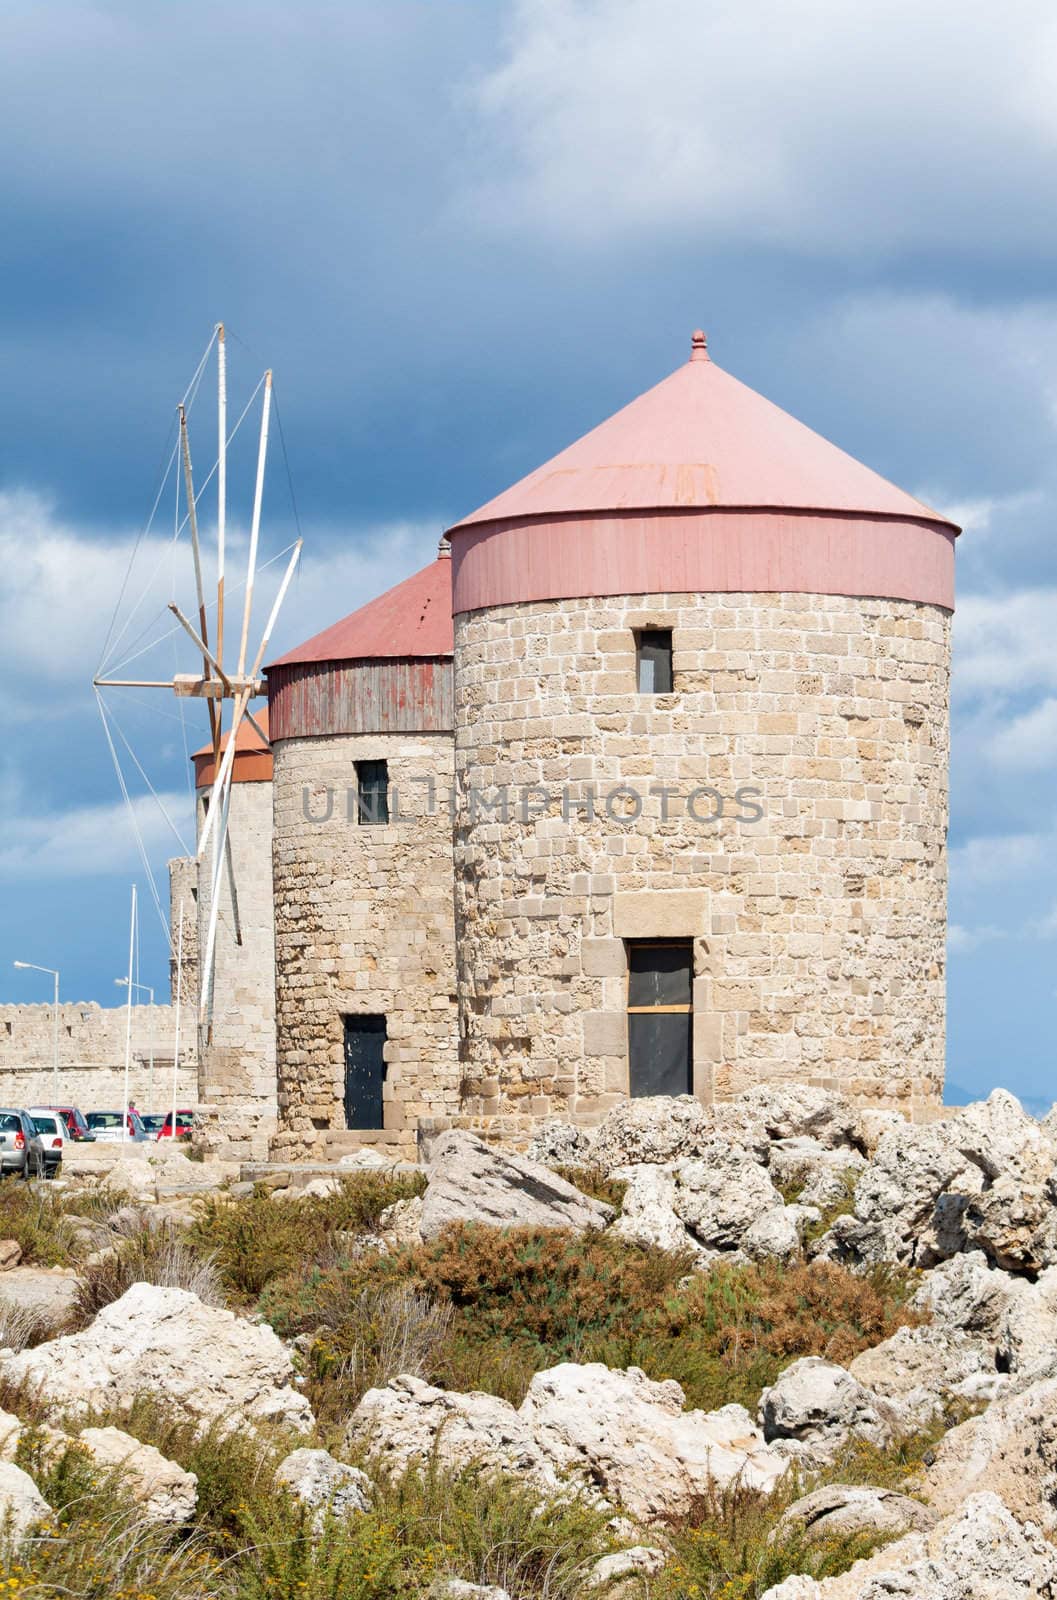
(698, 346)
(443, 549)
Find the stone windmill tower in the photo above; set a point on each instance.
(705, 597)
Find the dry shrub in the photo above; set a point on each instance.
(138, 1250)
(22, 1326)
(378, 1334)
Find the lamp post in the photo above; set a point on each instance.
(123, 983)
(31, 966)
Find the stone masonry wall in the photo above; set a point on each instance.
(92, 1056)
(819, 929)
(237, 1072)
(183, 899)
(363, 923)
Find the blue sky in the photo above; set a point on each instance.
(463, 231)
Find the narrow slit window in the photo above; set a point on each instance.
(372, 791)
(654, 661)
(660, 1016)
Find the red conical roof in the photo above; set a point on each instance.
(253, 759)
(412, 619)
(701, 439)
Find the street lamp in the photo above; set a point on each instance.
(123, 983)
(31, 966)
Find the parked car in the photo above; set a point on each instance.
(184, 1125)
(74, 1121)
(106, 1125)
(44, 1142)
(153, 1122)
(12, 1142)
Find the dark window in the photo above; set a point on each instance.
(364, 1071)
(660, 1016)
(372, 791)
(654, 661)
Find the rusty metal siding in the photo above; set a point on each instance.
(394, 695)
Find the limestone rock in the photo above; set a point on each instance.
(631, 1436)
(815, 1407)
(917, 1369)
(897, 1192)
(872, 1125)
(206, 1362)
(401, 1223)
(45, 1295)
(470, 1182)
(562, 1144)
(793, 1111)
(841, 1509)
(967, 1295)
(10, 1254)
(1010, 1450)
(409, 1420)
(1013, 1222)
(322, 1483)
(10, 1434)
(642, 1560)
(998, 1136)
(776, 1235)
(1003, 1559)
(1027, 1334)
(648, 1216)
(22, 1505)
(654, 1128)
(720, 1195)
(459, 1589)
(166, 1494)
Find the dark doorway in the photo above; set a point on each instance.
(660, 1016)
(364, 1071)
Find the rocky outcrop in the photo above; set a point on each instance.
(22, 1505)
(648, 1216)
(206, 1362)
(1010, 1450)
(471, 1182)
(842, 1510)
(720, 1194)
(966, 1295)
(778, 1234)
(980, 1553)
(614, 1431)
(633, 1438)
(816, 1407)
(164, 1492)
(325, 1485)
(919, 1370)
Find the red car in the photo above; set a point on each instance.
(74, 1120)
(184, 1124)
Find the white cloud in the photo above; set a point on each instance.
(88, 841)
(977, 517)
(999, 858)
(1005, 643)
(962, 940)
(619, 116)
(1029, 742)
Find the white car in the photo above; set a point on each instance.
(106, 1125)
(44, 1152)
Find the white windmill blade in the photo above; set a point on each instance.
(208, 966)
(255, 525)
(222, 481)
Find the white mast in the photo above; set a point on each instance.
(128, 1011)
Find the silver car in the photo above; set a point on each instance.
(106, 1125)
(45, 1146)
(12, 1141)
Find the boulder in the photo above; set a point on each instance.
(998, 1136)
(631, 1436)
(1014, 1223)
(22, 1505)
(401, 1223)
(647, 1214)
(409, 1422)
(319, 1481)
(166, 1494)
(43, 1295)
(720, 1195)
(831, 1186)
(777, 1235)
(641, 1561)
(471, 1182)
(816, 1407)
(896, 1196)
(459, 1589)
(796, 1111)
(1027, 1334)
(966, 1295)
(655, 1128)
(562, 1144)
(919, 1369)
(10, 1254)
(206, 1362)
(842, 1510)
(10, 1434)
(1009, 1450)
(872, 1125)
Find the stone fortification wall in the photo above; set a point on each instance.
(92, 1056)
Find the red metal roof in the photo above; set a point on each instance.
(701, 439)
(412, 619)
(253, 760)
